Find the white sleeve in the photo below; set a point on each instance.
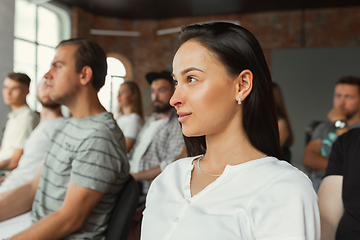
(131, 127)
(287, 209)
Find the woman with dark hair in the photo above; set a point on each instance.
(285, 131)
(232, 185)
(131, 116)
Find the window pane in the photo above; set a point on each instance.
(108, 93)
(48, 27)
(24, 61)
(115, 67)
(114, 78)
(45, 56)
(25, 20)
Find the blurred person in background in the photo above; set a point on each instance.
(22, 120)
(131, 113)
(285, 131)
(344, 115)
(35, 146)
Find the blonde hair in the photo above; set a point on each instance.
(136, 104)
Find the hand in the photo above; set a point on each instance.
(4, 164)
(2, 178)
(135, 176)
(336, 114)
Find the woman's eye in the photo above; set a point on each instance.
(191, 79)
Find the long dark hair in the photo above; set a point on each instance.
(281, 111)
(237, 49)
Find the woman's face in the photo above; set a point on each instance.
(124, 96)
(205, 95)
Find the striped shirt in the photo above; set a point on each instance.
(89, 152)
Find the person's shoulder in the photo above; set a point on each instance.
(355, 125)
(182, 161)
(26, 111)
(323, 129)
(102, 122)
(134, 117)
(101, 125)
(178, 167)
(285, 176)
(324, 125)
(351, 137)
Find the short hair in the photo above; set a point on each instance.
(89, 53)
(351, 80)
(19, 77)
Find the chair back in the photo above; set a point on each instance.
(124, 211)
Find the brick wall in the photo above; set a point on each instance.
(333, 27)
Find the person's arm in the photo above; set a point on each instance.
(312, 156)
(129, 144)
(330, 205)
(153, 172)
(337, 114)
(2, 179)
(18, 201)
(79, 202)
(13, 162)
(283, 132)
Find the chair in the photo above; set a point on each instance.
(122, 216)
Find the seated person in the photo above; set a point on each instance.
(131, 116)
(345, 115)
(21, 119)
(339, 198)
(232, 185)
(35, 146)
(285, 131)
(85, 167)
(160, 141)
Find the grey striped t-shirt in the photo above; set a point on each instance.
(89, 152)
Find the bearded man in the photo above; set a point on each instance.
(345, 115)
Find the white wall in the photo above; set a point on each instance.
(7, 10)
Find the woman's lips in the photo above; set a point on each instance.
(183, 116)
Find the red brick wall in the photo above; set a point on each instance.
(335, 27)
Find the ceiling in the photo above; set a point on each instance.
(162, 9)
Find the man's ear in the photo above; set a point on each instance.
(244, 84)
(85, 75)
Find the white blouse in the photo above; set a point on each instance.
(260, 199)
(130, 125)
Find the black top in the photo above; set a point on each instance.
(345, 160)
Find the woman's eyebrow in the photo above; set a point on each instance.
(190, 69)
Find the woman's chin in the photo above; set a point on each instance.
(191, 134)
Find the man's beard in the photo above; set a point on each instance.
(349, 115)
(162, 107)
(51, 105)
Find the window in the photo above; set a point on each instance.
(114, 78)
(38, 29)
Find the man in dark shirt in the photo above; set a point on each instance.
(339, 195)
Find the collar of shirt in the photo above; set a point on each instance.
(18, 111)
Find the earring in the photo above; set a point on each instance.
(239, 102)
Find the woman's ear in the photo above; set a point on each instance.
(244, 84)
(85, 75)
